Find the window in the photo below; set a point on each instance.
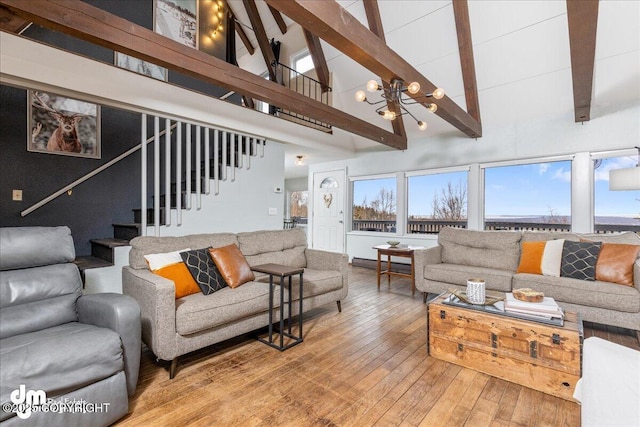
(435, 201)
(302, 62)
(533, 196)
(298, 203)
(374, 205)
(261, 105)
(614, 210)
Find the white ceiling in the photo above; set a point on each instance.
(522, 61)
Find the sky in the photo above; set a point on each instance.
(522, 190)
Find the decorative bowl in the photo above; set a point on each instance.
(393, 243)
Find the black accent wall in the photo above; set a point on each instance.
(107, 198)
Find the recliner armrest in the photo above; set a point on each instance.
(121, 314)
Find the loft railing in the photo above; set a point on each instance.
(306, 86)
(434, 227)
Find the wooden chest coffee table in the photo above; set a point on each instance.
(536, 355)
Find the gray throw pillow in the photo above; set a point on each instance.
(203, 270)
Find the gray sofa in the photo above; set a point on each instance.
(52, 339)
(173, 327)
(495, 256)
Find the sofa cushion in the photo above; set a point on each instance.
(37, 298)
(579, 260)
(580, 292)
(42, 360)
(35, 246)
(143, 245)
(258, 242)
(615, 263)
(531, 257)
(497, 280)
(266, 258)
(198, 312)
(529, 236)
(203, 270)
(232, 265)
(490, 249)
(314, 282)
(627, 237)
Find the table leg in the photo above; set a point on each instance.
(388, 271)
(300, 311)
(413, 277)
(290, 300)
(271, 308)
(282, 311)
(378, 269)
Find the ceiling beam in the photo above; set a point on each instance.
(241, 33)
(86, 22)
(319, 61)
(467, 63)
(11, 23)
(333, 24)
(375, 25)
(261, 37)
(583, 19)
(279, 20)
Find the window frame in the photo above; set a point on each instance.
(352, 180)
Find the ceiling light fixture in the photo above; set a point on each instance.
(395, 94)
(625, 178)
(300, 160)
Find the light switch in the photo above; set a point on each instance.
(273, 211)
(17, 195)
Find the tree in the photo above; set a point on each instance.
(451, 205)
(383, 207)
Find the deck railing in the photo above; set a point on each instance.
(433, 227)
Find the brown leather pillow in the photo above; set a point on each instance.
(615, 263)
(232, 264)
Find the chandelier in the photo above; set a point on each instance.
(395, 94)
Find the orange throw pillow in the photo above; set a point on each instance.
(615, 263)
(531, 257)
(170, 266)
(233, 266)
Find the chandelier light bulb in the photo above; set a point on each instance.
(413, 88)
(361, 96)
(389, 115)
(372, 86)
(432, 107)
(438, 93)
(422, 125)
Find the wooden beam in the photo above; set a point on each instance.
(319, 61)
(261, 37)
(279, 20)
(11, 23)
(375, 25)
(241, 33)
(81, 20)
(467, 63)
(583, 20)
(333, 24)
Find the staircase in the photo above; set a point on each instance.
(205, 155)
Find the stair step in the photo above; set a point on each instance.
(86, 262)
(126, 231)
(103, 248)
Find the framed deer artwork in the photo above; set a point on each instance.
(60, 125)
(177, 20)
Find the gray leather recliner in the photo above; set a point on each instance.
(80, 352)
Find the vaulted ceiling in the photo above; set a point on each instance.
(499, 61)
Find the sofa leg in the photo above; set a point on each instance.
(424, 297)
(173, 368)
(638, 336)
(339, 306)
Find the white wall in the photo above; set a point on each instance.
(608, 130)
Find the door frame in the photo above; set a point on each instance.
(312, 197)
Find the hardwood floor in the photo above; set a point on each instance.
(365, 366)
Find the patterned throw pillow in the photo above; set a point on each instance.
(579, 260)
(203, 270)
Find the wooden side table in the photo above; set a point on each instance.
(399, 251)
(282, 271)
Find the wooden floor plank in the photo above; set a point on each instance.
(365, 366)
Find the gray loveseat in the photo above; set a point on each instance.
(173, 327)
(73, 348)
(495, 256)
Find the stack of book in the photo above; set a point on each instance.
(548, 308)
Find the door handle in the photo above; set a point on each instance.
(341, 222)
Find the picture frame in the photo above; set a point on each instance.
(139, 66)
(177, 20)
(58, 124)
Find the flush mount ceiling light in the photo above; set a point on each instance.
(626, 178)
(300, 160)
(395, 94)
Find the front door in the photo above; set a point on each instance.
(328, 210)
